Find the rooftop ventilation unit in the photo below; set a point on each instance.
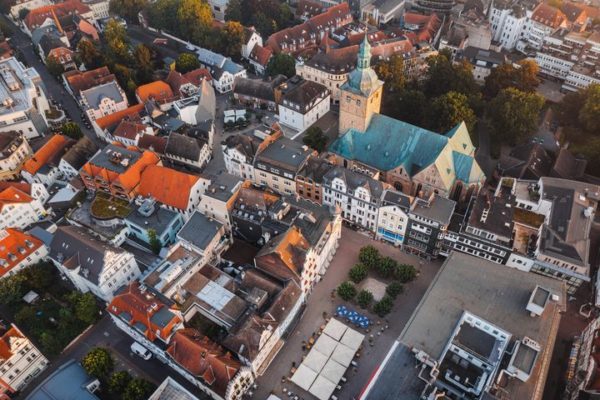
(538, 300)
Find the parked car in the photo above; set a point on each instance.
(141, 351)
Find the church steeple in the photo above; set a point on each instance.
(364, 54)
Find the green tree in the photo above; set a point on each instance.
(392, 72)
(51, 343)
(448, 110)
(162, 14)
(315, 138)
(405, 273)
(369, 256)
(386, 266)
(115, 36)
(86, 308)
(346, 290)
(40, 276)
(514, 114)
(98, 363)
(283, 64)
(522, 77)
(408, 105)
(155, 243)
(144, 63)
(72, 130)
(589, 116)
(364, 298)
(233, 36)
(128, 9)
(12, 289)
(89, 54)
(443, 76)
(23, 12)
(6, 28)
(194, 18)
(26, 317)
(358, 273)
(567, 110)
(384, 306)
(54, 66)
(118, 383)
(394, 289)
(186, 62)
(233, 11)
(138, 389)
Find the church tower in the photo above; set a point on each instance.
(360, 96)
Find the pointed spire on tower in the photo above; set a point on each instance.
(364, 54)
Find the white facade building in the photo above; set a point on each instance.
(103, 100)
(19, 250)
(14, 151)
(303, 104)
(21, 361)
(19, 210)
(507, 21)
(24, 103)
(392, 218)
(358, 196)
(100, 8)
(92, 265)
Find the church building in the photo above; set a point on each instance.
(414, 160)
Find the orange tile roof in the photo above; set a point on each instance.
(79, 80)
(114, 118)
(38, 15)
(548, 15)
(204, 358)
(158, 90)
(53, 148)
(167, 186)
(130, 178)
(13, 195)
(284, 256)
(15, 246)
(142, 309)
(5, 347)
(22, 186)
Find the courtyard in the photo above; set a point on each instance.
(322, 303)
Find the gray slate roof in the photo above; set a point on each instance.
(67, 382)
(354, 180)
(74, 247)
(94, 96)
(439, 209)
(199, 230)
(80, 153)
(184, 146)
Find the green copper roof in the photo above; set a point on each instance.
(389, 143)
(462, 166)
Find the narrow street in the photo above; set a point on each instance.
(106, 334)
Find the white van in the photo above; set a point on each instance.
(141, 351)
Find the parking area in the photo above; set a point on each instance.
(322, 305)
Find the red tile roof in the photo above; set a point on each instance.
(22, 186)
(38, 15)
(157, 144)
(13, 195)
(6, 339)
(204, 358)
(548, 15)
(129, 129)
(79, 80)
(49, 153)
(308, 34)
(167, 186)
(15, 246)
(261, 55)
(145, 311)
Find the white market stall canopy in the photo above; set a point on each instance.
(325, 364)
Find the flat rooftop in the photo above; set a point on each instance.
(499, 294)
(16, 84)
(115, 158)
